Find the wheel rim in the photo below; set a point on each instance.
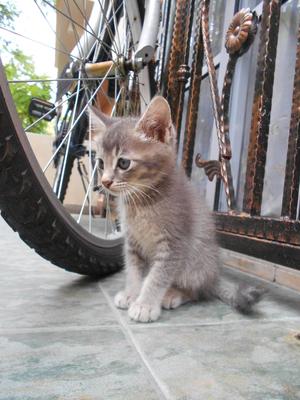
(119, 91)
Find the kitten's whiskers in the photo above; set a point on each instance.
(137, 195)
(141, 195)
(150, 187)
(130, 194)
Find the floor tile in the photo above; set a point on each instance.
(83, 365)
(61, 339)
(251, 360)
(35, 293)
(48, 301)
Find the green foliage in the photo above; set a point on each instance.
(8, 12)
(19, 66)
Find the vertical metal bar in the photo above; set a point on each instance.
(163, 45)
(225, 162)
(183, 71)
(261, 110)
(223, 137)
(178, 69)
(236, 6)
(226, 91)
(193, 102)
(175, 53)
(224, 143)
(292, 171)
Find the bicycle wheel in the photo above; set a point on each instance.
(74, 237)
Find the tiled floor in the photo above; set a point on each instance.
(62, 338)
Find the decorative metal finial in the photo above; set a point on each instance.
(241, 32)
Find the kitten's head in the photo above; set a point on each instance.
(135, 156)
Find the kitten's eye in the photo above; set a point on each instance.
(123, 163)
(100, 163)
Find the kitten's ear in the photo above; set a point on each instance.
(98, 124)
(156, 122)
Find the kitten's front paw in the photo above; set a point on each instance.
(123, 300)
(144, 312)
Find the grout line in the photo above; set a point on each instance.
(71, 328)
(205, 324)
(274, 273)
(46, 329)
(160, 386)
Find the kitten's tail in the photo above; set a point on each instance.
(241, 297)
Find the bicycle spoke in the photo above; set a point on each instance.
(90, 172)
(124, 27)
(96, 78)
(87, 192)
(108, 48)
(110, 33)
(131, 35)
(77, 37)
(50, 26)
(75, 122)
(141, 94)
(116, 102)
(38, 42)
(100, 34)
(50, 111)
(116, 25)
(69, 140)
(109, 214)
(83, 14)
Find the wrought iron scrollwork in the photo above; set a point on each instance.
(239, 37)
(212, 168)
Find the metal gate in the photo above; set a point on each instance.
(243, 229)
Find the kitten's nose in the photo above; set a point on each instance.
(106, 182)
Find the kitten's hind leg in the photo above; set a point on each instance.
(175, 297)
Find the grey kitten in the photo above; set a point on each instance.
(171, 254)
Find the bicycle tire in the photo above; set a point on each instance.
(30, 207)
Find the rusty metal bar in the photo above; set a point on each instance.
(179, 48)
(292, 171)
(276, 252)
(260, 227)
(262, 107)
(224, 143)
(223, 137)
(183, 70)
(193, 102)
(227, 90)
(268, 238)
(239, 37)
